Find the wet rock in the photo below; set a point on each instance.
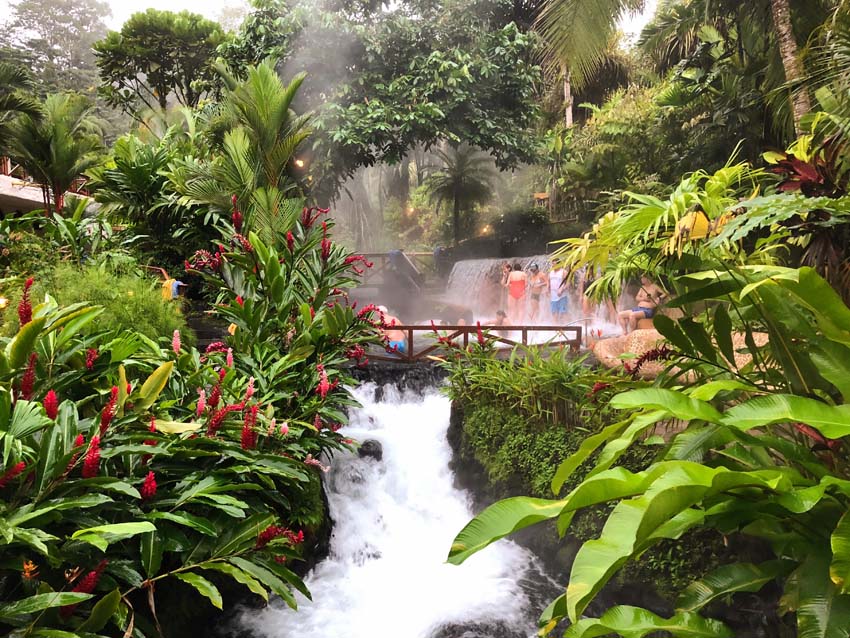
(416, 377)
(370, 448)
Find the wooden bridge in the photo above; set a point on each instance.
(427, 343)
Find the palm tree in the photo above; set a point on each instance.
(464, 180)
(577, 33)
(15, 80)
(58, 147)
(258, 135)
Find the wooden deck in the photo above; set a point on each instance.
(423, 344)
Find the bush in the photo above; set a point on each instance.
(129, 302)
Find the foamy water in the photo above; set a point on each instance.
(386, 576)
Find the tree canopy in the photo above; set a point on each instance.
(158, 57)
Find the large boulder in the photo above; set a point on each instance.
(370, 448)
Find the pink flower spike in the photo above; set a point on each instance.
(284, 428)
(202, 402)
(249, 391)
(229, 360)
(175, 342)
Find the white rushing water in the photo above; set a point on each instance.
(394, 521)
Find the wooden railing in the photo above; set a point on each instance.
(430, 347)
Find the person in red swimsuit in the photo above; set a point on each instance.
(517, 283)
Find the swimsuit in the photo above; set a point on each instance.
(516, 288)
(647, 312)
(558, 306)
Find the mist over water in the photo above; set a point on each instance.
(395, 520)
(475, 283)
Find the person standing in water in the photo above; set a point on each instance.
(537, 284)
(558, 294)
(506, 272)
(517, 283)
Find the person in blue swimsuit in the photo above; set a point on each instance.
(648, 297)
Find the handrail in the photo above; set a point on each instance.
(468, 333)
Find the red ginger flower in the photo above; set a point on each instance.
(249, 434)
(175, 342)
(215, 396)
(662, 353)
(148, 490)
(324, 385)
(216, 346)
(108, 412)
(85, 585)
(218, 418)
(239, 301)
(78, 443)
(236, 217)
(91, 357)
(25, 305)
(269, 534)
(51, 405)
(91, 464)
(204, 259)
(12, 473)
(243, 241)
(28, 380)
(290, 241)
(481, 341)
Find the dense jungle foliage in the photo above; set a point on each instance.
(711, 152)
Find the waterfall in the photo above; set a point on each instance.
(475, 284)
(394, 521)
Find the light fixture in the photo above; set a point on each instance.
(299, 163)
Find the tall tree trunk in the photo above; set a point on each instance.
(456, 218)
(568, 98)
(800, 101)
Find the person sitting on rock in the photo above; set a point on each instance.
(648, 298)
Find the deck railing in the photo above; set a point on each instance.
(421, 343)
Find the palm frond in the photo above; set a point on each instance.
(576, 33)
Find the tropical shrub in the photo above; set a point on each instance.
(761, 454)
(105, 495)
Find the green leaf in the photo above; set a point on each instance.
(833, 362)
(240, 576)
(41, 602)
(635, 622)
(500, 519)
(203, 586)
(151, 552)
(587, 447)
(675, 403)
(839, 570)
(176, 427)
(667, 492)
(198, 523)
(102, 535)
(102, 612)
(723, 333)
(833, 421)
(154, 385)
(822, 612)
(21, 345)
(244, 535)
(266, 577)
(27, 513)
(671, 331)
(729, 579)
